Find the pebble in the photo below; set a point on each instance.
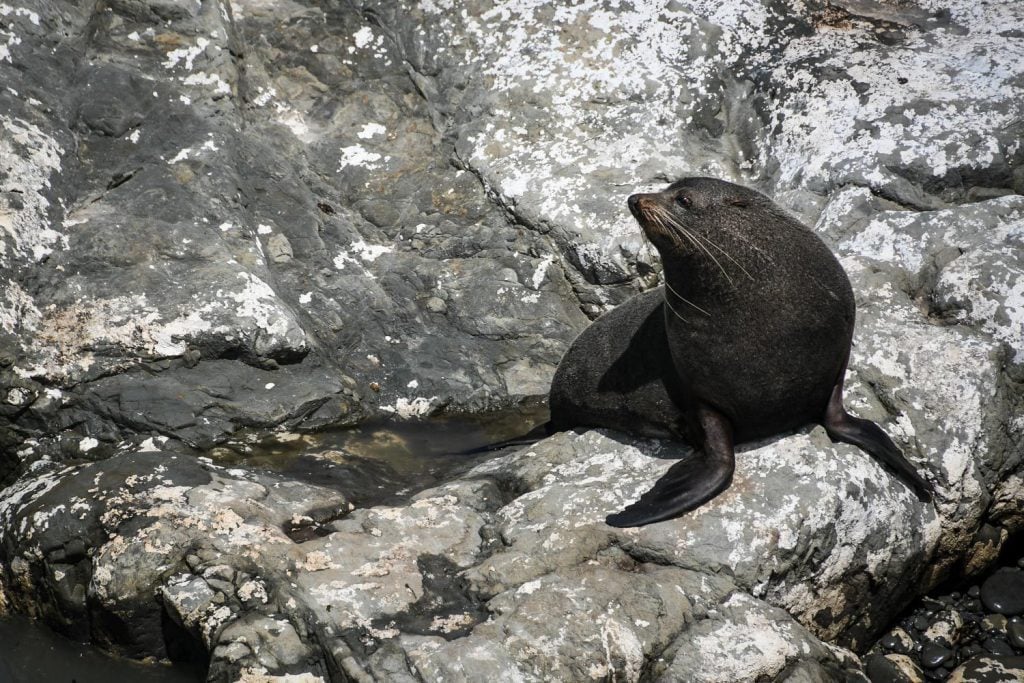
(1003, 592)
(946, 629)
(994, 623)
(1015, 633)
(892, 669)
(971, 651)
(998, 646)
(934, 655)
(890, 642)
(921, 623)
(898, 641)
(974, 591)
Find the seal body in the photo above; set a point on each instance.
(761, 331)
(749, 337)
(614, 374)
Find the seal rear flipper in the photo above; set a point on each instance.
(869, 437)
(689, 483)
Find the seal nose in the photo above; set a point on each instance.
(634, 204)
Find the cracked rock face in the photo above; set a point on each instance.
(223, 219)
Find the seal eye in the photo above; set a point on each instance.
(684, 201)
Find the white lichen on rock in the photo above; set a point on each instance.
(31, 159)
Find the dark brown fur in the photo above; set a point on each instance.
(757, 317)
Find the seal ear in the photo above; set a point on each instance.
(741, 202)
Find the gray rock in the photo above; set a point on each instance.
(747, 640)
(338, 198)
(475, 565)
(170, 200)
(411, 583)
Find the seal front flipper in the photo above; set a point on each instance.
(869, 437)
(689, 483)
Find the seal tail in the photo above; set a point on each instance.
(869, 437)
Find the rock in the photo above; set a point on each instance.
(987, 544)
(1015, 633)
(945, 630)
(206, 404)
(279, 249)
(898, 641)
(1003, 592)
(206, 215)
(971, 651)
(934, 655)
(120, 538)
(958, 631)
(408, 583)
(747, 641)
(998, 646)
(894, 668)
(989, 669)
(995, 623)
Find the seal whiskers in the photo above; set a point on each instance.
(666, 218)
(659, 218)
(704, 238)
(727, 255)
(699, 241)
(668, 287)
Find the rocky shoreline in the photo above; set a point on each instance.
(226, 221)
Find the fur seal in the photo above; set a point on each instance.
(749, 337)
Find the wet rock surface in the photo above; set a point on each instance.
(226, 219)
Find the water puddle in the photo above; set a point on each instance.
(32, 653)
(384, 462)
